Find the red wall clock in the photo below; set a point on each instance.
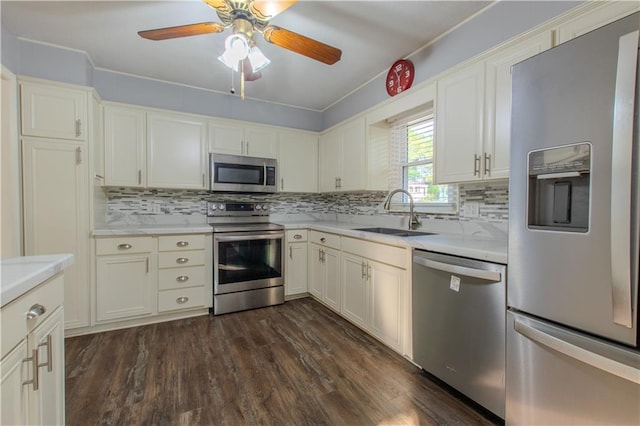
(400, 77)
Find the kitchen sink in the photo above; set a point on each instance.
(395, 232)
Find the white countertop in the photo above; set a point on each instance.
(21, 274)
(152, 229)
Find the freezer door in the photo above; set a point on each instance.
(570, 96)
(559, 377)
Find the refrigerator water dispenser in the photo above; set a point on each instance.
(559, 188)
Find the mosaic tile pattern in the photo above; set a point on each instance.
(491, 196)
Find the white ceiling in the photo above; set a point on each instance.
(371, 35)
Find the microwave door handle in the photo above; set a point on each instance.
(621, 180)
(264, 173)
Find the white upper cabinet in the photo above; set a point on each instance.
(603, 13)
(176, 151)
(125, 146)
(342, 157)
(236, 138)
(298, 161)
(53, 111)
(473, 114)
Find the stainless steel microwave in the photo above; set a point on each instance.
(238, 173)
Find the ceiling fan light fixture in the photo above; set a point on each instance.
(236, 49)
(257, 59)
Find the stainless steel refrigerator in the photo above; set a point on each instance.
(573, 353)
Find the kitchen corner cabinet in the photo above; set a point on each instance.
(126, 283)
(375, 290)
(176, 151)
(236, 138)
(324, 268)
(125, 146)
(56, 214)
(41, 401)
(297, 161)
(342, 157)
(473, 115)
(53, 111)
(295, 281)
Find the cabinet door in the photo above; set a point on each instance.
(48, 339)
(14, 395)
(296, 269)
(386, 290)
(352, 174)
(459, 125)
(97, 138)
(260, 142)
(298, 162)
(332, 287)
(330, 160)
(56, 217)
(316, 271)
(226, 138)
(54, 112)
(126, 286)
(495, 162)
(124, 146)
(176, 151)
(603, 14)
(354, 288)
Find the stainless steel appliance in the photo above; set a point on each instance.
(239, 173)
(458, 308)
(248, 257)
(573, 352)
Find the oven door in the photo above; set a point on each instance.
(247, 260)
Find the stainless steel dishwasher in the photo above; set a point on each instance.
(459, 310)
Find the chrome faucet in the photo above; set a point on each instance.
(413, 219)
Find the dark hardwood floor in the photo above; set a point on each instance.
(292, 364)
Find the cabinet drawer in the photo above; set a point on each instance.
(181, 242)
(124, 245)
(297, 235)
(396, 256)
(176, 278)
(13, 317)
(174, 259)
(185, 298)
(325, 239)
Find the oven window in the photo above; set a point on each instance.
(237, 173)
(249, 260)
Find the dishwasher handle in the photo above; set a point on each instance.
(460, 270)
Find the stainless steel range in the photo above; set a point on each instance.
(248, 257)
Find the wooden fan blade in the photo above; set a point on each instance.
(182, 31)
(266, 10)
(303, 45)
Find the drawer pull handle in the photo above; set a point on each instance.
(49, 363)
(182, 278)
(35, 381)
(182, 300)
(323, 239)
(124, 246)
(182, 260)
(35, 311)
(182, 243)
(297, 237)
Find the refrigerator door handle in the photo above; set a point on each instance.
(460, 270)
(621, 184)
(595, 360)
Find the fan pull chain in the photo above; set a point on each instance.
(242, 84)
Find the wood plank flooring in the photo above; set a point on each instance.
(292, 364)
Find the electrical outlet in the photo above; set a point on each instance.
(471, 209)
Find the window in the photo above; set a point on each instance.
(412, 163)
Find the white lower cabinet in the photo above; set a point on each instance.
(354, 288)
(324, 268)
(32, 364)
(126, 282)
(295, 267)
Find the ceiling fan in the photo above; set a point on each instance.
(246, 17)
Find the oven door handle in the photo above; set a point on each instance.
(246, 237)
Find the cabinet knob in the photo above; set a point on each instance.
(182, 243)
(182, 300)
(35, 311)
(182, 260)
(297, 237)
(124, 246)
(182, 278)
(323, 239)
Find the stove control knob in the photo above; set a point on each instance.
(265, 207)
(257, 207)
(212, 207)
(221, 206)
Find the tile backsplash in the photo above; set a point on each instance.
(491, 198)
